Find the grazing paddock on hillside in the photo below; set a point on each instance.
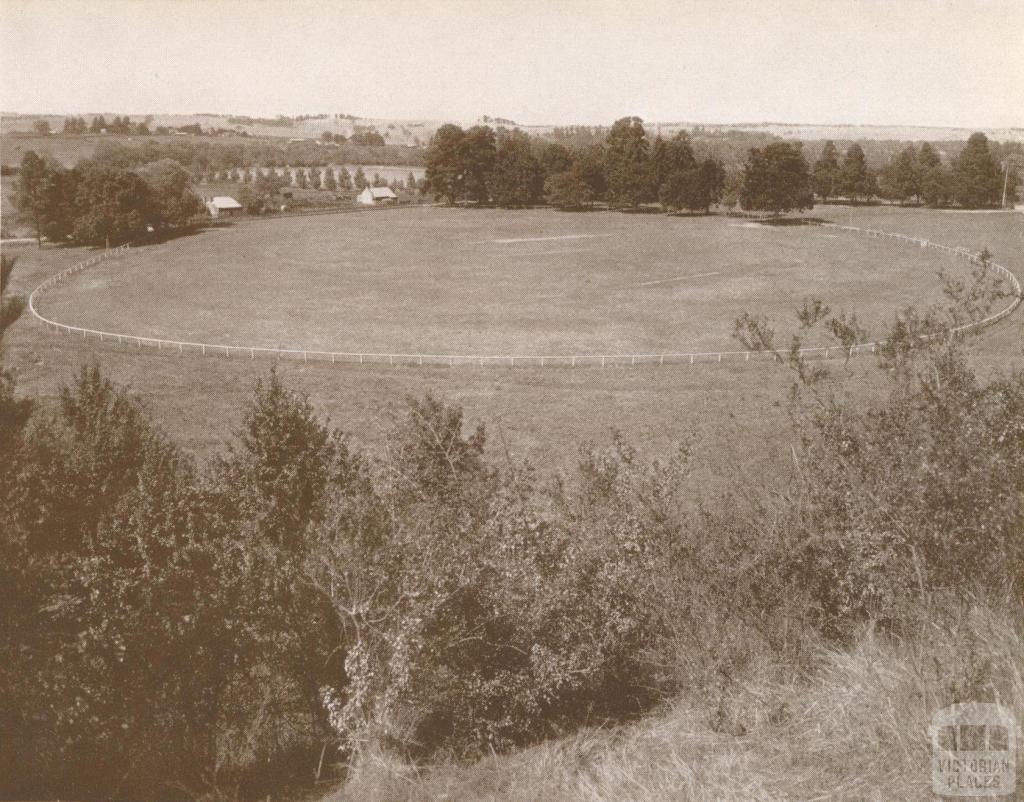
(486, 282)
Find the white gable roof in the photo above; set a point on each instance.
(381, 192)
(225, 202)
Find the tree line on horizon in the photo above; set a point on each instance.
(125, 192)
(626, 169)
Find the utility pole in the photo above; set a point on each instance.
(1006, 177)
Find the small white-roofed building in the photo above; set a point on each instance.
(223, 206)
(377, 196)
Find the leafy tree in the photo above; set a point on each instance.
(555, 159)
(517, 178)
(41, 127)
(330, 183)
(315, 180)
(444, 163)
(112, 206)
(826, 172)
(98, 124)
(855, 179)
(592, 164)
(75, 125)
(476, 158)
(410, 181)
(14, 412)
(378, 181)
(776, 179)
(695, 189)
(171, 187)
(627, 164)
(928, 157)
(977, 177)
(936, 185)
(673, 165)
(569, 189)
(301, 179)
(732, 189)
(344, 179)
(901, 178)
(33, 198)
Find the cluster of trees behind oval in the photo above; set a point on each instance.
(507, 168)
(103, 200)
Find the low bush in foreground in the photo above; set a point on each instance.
(221, 631)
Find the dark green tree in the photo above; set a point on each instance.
(628, 167)
(776, 179)
(673, 165)
(518, 178)
(592, 164)
(569, 189)
(112, 206)
(977, 177)
(555, 159)
(855, 179)
(901, 178)
(171, 185)
(444, 164)
(826, 172)
(477, 155)
(14, 412)
(33, 197)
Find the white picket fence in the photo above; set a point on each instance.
(507, 360)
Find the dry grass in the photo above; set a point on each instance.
(854, 728)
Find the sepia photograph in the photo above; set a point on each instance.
(511, 400)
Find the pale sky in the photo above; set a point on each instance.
(908, 62)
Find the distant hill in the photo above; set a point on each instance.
(418, 132)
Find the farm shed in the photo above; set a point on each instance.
(223, 206)
(377, 196)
